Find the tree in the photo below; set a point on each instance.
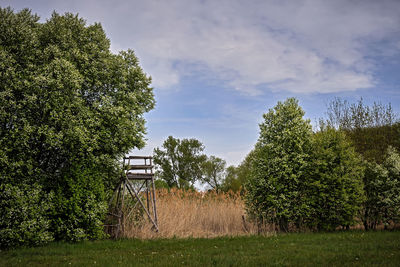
(372, 129)
(237, 177)
(69, 110)
(346, 116)
(335, 182)
(179, 162)
(382, 187)
(231, 181)
(213, 169)
(275, 190)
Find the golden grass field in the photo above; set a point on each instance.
(193, 214)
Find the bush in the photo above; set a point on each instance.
(334, 186)
(382, 187)
(303, 180)
(79, 207)
(23, 218)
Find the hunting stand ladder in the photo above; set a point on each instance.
(137, 183)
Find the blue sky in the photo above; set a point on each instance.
(217, 66)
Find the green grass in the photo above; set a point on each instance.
(340, 248)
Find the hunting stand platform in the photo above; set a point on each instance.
(137, 185)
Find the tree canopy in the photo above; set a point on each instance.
(179, 162)
(213, 169)
(279, 166)
(68, 106)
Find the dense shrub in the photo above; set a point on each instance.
(23, 212)
(299, 179)
(382, 188)
(334, 184)
(79, 205)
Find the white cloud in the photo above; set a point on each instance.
(299, 46)
(302, 46)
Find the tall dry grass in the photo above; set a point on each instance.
(193, 214)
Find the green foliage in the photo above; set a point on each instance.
(179, 163)
(79, 205)
(373, 130)
(213, 169)
(159, 184)
(372, 142)
(276, 189)
(231, 181)
(382, 187)
(334, 184)
(299, 179)
(22, 211)
(237, 177)
(66, 99)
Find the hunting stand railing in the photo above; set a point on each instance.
(137, 183)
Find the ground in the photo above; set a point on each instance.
(298, 249)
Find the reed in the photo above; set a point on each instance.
(184, 214)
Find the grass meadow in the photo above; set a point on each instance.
(351, 248)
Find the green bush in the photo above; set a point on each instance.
(79, 207)
(23, 218)
(382, 187)
(299, 179)
(334, 184)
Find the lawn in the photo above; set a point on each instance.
(339, 248)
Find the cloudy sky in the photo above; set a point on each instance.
(218, 65)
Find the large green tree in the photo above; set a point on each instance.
(275, 190)
(69, 110)
(179, 162)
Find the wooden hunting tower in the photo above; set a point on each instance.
(137, 187)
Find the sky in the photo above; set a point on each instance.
(218, 65)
